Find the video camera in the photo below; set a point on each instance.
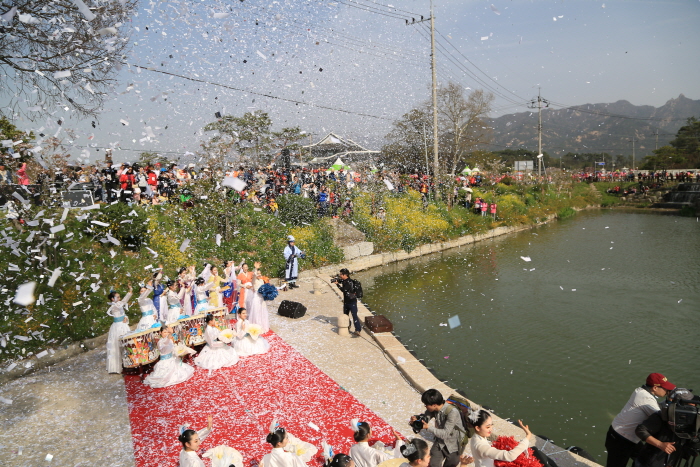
(417, 424)
(683, 416)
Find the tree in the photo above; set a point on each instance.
(287, 139)
(461, 123)
(666, 157)
(249, 136)
(57, 53)
(16, 143)
(147, 158)
(687, 142)
(406, 143)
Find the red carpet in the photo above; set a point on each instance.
(244, 399)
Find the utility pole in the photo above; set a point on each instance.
(538, 105)
(425, 142)
(436, 163)
(633, 153)
(657, 140)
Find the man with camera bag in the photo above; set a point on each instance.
(667, 440)
(448, 430)
(350, 292)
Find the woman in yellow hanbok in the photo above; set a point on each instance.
(216, 298)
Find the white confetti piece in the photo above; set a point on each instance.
(101, 224)
(49, 457)
(218, 239)
(494, 9)
(57, 229)
(42, 354)
(25, 294)
(454, 322)
(400, 359)
(82, 8)
(235, 183)
(5, 400)
(526, 258)
(184, 245)
(54, 277)
(314, 426)
(261, 55)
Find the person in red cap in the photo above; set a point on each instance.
(621, 439)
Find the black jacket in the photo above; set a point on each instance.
(651, 456)
(347, 286)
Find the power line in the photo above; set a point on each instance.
(372, 10)
(198, 80)
(388, 6)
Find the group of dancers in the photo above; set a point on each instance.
(415, 452)
(192, 294)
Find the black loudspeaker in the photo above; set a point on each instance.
(291, 309)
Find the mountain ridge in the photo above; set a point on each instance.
(594, 128)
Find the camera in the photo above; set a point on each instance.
(335, 279)
(417, 425)
(683, 416)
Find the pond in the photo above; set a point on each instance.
(559, 324)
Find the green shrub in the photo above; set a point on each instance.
(566, 213)
(128, 224)
(296, 210)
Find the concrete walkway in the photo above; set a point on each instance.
(78, 413)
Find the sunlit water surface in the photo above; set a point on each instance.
(562, 340)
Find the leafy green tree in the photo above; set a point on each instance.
(151, 158)
(406, 143)
(249, 136)
(687, 142)
(24, 140)
(666, 157)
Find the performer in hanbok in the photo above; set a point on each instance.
(291, 256)
(148, 309)
(215, 354)
(244, 344)
(366, 456)
(191, 441)
(258, 305)
(229, 295)
(200, 295)
(119, 327)
(278, 457)
(186, 277)
(216, 298)
(170, 369)
(174, 301)
(245, 277)
(160, 299)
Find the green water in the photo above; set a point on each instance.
(560, 341)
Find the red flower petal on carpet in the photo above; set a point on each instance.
(244, 399)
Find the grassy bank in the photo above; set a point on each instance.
(105, 249)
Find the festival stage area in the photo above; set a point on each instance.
(244, 399)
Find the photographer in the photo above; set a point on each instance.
(448, 430)
(662, 446)
(621, 439)
(347, 286)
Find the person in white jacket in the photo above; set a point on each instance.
(484, 454)
(191, 441)
(366, 456)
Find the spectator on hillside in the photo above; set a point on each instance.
(22, 177)
(5, 175)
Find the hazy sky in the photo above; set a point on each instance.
(359, 57)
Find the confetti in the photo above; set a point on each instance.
(25, 294)
(454, 322)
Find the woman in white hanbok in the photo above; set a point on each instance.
(278, 457)
(365, 455)
(170, 369)
(244, 344)
(119, 327)
(191, 440)
(485, 454)
(200, 295)
(174, 299)
(258, 305)
(186, 276)
(215, 354)
(148, 309)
